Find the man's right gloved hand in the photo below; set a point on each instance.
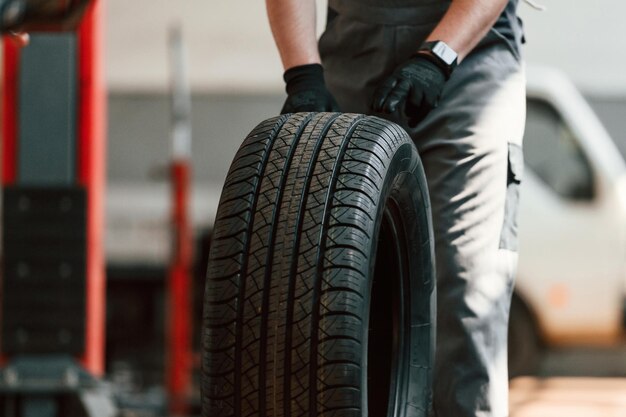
(306, 90)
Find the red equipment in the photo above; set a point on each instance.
(53, 139)
(179, 361)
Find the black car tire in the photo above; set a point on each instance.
(320, 288)
(525, 347)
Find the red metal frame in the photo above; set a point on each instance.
(9, 114)
(91, 175)
(90, 162)
(179, 327)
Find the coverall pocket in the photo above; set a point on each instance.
(508, 237)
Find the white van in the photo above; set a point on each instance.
(571, 283)
(572, 271)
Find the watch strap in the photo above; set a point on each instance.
(439, 53)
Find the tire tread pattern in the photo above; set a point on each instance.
(287, 277)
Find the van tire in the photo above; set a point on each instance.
(324, 221)
(525, 347)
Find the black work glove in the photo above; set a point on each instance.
(306, 90)
(416, 85)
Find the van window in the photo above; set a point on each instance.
(552, 152)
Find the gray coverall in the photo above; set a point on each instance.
(471, 149)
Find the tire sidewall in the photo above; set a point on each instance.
(405, 186)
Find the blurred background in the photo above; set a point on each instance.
(569, 309)
(573, 303)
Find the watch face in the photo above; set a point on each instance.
(444, 52)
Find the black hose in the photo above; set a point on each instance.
(11, 14)
(31, 15)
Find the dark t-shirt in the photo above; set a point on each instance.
(508, 26)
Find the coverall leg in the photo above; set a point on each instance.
(471, 149)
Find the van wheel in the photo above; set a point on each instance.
(525, 348)
(320, 284)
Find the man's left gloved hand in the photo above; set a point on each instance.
(416, 84)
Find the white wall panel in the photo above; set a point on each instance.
(231, 47)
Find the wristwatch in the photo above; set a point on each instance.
(440, 54)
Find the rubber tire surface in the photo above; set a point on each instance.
(525, 347)
(290, 272)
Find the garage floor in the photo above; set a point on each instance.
(568, 396)
(574, 383)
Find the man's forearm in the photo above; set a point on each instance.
(466, 22)
(293, 26)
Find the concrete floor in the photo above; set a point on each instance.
(568, 396)
(583, 382)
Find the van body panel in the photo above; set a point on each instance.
(571, 268)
